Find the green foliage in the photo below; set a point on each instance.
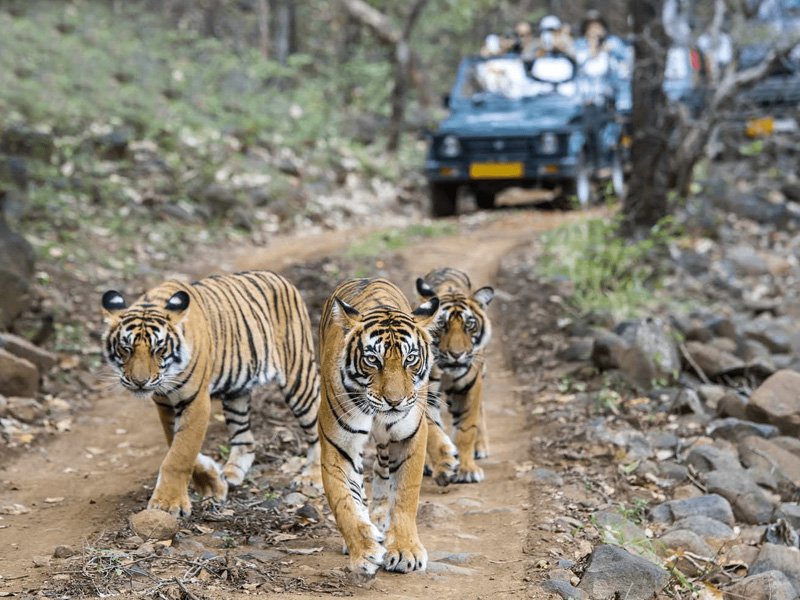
(390, 240)
(609, 272)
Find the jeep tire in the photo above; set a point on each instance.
(443, 199)
(484, 199)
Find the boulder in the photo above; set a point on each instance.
(770, 333)
(152, 524)
(758, 452)
(769, 585)
(773, 557)
(26, 410)
(18, 377)
(607, 350)
(654, 339)
(789, 512)
(22, 348)
(749, 502)
(733, 429)
(777, 401)
(614, 571)
(707, 457)
(732, 404)
(16, 272)
(712, 531)
(713, 361)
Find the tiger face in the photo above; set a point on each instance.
(387, 357)
(145, 344)
(462, 327)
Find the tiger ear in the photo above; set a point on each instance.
(113, 303)
(344, 314)
(423, 289)
(484, 296)
(178, 302)
(425, 314)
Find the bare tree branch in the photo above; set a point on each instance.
(380, 25)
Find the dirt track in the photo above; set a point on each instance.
(99, 468)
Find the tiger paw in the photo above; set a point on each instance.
(482, 452)
(468, 474)
(405, 558)
(445, 473)
(207, 479)
(310, 475)
(178, 505)
(233, 474)
(364, 565)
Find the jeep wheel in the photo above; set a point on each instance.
(583, 186)
(484, 199)
(443, 199)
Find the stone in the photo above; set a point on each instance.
(63, 551)
(769, 585)
(654, 339)
(776, 401)
(547, 477)
(607, 350)
(740, 554)
(454, 558)
(686, 401)
(16, 273)
(722, 327)
(26, 410)
(712, 506)
(746, 261)
(613, 570)
(433, 514)
(18, 377)
(770, 333)
(734, 429)
(684, 539)
(773, 557)
(748, 500)
(790, 444)
(616, 529)
(732, 404)
(782, 533)
(22, 348)
(564, 589)
(705, 458)
(295, 499)
(578, 350)
(439, 568)
(152, 524)
(790, 512)
(712, 361)
(724, 344)
(711, 394)
(712, 531)
(756, 451)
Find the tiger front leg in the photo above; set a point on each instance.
(343, 480)
(185, 432)
(482, 443)
(404, 551)
(442, 455)
(241, 440)
(466, 411)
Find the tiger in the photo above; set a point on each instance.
(375, 359)
(462, 332)
(184, 344)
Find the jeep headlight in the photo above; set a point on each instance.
(548, 143)
(450, 146)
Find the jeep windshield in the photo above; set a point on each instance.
(509, 78)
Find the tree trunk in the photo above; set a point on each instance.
(263, 27)
(285, 35)
(647, 201)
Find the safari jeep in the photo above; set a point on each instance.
(514, 124)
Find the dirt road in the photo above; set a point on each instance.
(90, 479)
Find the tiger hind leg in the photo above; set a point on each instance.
(302, 398)
(442, 456)
(241, 440)
(207, 478)
(482, 443)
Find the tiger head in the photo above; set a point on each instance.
(387, 355)
(145, 343)
(463, 328)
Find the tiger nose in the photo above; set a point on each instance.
(139, 382)
(458, 355)
(394, 401)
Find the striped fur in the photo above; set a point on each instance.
(463, 332)
(217, 338)
(375, 358)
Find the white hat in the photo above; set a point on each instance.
(550, 23)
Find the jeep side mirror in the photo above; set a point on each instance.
(446, 100)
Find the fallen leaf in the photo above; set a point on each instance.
(54, 499)
(303, 550)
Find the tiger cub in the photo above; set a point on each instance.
(219, 337)
(375, 358)
(463, 331)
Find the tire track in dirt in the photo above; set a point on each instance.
(100, 466)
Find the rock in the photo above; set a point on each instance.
(746, 261)
(790, 512)
(683, 540)
(711, 394)
(773, 557)
(732, 404)
(712, 506)
(263, 556)
(446, 569)
(776, 401)
(578, 350)
(705, 458)
(22, 348)
(113, 145)
(749, 502)
(607, 350)
(751, 206)
(18, 377)
(781, 532)
(790, 444)
(712, 531)
(154, 525)
(733, 429)
(63, 551)
(564, 589)
(547, 477)
(769, 585)
(770, 333)
(295, 499)
(740, 554)
(26, 410)
(433, 514)
(16, 272)
(654, 339)
(722, 327)
(686, 401)
(673, 471)
(454, 558)
(616, 529)
(308, 511)
(756, 451)
(612, 570)
(712, 361)
(41, 561)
